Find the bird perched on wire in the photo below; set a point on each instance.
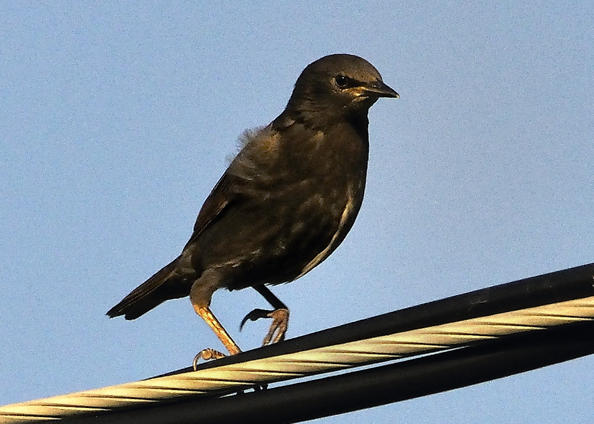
(284, 204)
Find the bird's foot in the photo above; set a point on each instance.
(211, 354)
(278, 328)
(207, 355)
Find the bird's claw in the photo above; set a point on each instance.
(254, 315)
(210, 354)
(207, 355)
(278, 328)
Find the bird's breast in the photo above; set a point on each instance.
(347, 217)
(330, 175)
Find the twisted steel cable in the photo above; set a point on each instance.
(218, 378)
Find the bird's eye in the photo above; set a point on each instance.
(341, 81)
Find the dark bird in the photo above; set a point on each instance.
(284, 204)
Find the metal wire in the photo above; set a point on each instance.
(234, 377)
(378, 385)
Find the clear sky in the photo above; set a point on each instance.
(117, 118)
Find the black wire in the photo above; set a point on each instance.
(375, 386)
(403, 380)
(544, 289)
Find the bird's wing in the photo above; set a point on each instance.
(243, 178)
(217, 201)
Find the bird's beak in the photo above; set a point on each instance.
(378, 89)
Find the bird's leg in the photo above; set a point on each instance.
(208, 353)
(200, 295)
(212, 321)
(280, 316)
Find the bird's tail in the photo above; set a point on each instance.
(157, 289)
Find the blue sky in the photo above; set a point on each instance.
(119, 117)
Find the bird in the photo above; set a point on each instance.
(284, 204)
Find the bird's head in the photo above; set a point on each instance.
(336, 86)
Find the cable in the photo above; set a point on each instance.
(372, 387)
(532, 304)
